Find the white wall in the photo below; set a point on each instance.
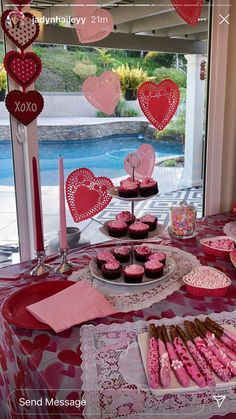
(58, 105)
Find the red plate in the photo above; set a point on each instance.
(14, 307)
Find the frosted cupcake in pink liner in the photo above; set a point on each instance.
(133, 274)
(130, 179)
(150, 220)
(158, 256)
(126, 216)
(128, 190)
(111, 270)
(148, 187)
(117, 228)
(142, 253)
(104, 257)
(153, 269)
(138, 230)
(122, 253)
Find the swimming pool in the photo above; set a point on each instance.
(104, 156)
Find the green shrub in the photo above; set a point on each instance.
(3, 78)
(130, 113)
(85, 69)
(170, 163)
(178, 76)
(120, 111)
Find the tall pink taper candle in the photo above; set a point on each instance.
(63, 238)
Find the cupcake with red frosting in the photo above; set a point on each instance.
(117, 228)
(126, 216)
(148, 187)
(111, 270)
(158, 256)
(133, 274)
(128, 190)
(150, 220)
(122, 253)
(103, 257)
(153, 269)
(138, 230)
(130, 179)
(142, 253)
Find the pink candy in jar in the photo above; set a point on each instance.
(183, 220)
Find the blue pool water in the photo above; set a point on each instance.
(104, 156)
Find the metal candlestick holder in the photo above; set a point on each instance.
(65, 265)
(41, 268)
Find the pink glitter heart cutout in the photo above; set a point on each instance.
(146, 157)
(103, 92)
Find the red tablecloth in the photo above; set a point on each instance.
(40, 360)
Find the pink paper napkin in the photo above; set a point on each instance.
(73, 305)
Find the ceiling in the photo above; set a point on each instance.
(158, 19)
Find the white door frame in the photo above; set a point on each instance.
(216, 106)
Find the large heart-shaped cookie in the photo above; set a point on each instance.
(23, 68)
(189, 10)
(93, 24)
(103, 92)
(86, 194)
(24, 106)
(143, 160)
(21, 35)
(159, 102)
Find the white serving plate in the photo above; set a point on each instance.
(114, 193)
(169, 268)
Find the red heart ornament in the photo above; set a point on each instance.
(24, 106)
(97, 25)
(189, 10)
(86, 194)
(103, 92)
(21, 35)
(23, 68)
(159, 102)
(144, 158)
(21, 2)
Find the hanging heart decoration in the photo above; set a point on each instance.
(24, 106)
(93, 24)
(159, 102)
(22, 35)
(143, 160)
(189, 10)
(86, 194)
(21, 2)
(103, 92)
(23, 68)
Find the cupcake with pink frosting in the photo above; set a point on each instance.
(153, 269)
(128, 190)
(111, 270)
(117, 228)
(126, 216)
(103, 257)
(133, 274)
(158, 256)
(150, 220)
(142, 253)
(138, 230)
(122, 253)
(148, 187)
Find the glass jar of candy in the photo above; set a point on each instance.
(183, 220)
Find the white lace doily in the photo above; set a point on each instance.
(136, 298)
(230, 229)
(114, 381)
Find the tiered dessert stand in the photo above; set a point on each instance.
(170, 265)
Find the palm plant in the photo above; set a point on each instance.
(131, 79)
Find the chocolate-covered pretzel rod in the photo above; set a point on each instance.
(188, 363)
(217, 335)
(212, 344)
(164, 360)
(212, 360)
(198, 358)
(176, 363)
(153, 358)
(227, 337)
